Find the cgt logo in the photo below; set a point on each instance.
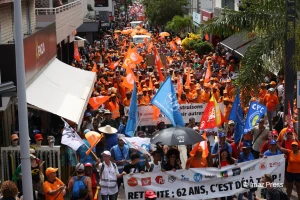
(132, 182)
(160, 180)
(146, 181)
(262, 166)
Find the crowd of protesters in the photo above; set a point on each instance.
(113, 158)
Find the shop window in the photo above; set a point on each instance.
(228, 4)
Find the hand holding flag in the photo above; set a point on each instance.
(93, 138)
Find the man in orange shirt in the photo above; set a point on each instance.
(141, 101)
(197, 161)
(126, 101)
(114, 108)
(227, 109)
(262, 92)
(271, 101)
(189, 95)
(146, 97)
(198, 98)
(206, 93)
(53, 188)
(182, 99)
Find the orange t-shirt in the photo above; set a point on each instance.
(194, 163)
(47, 187)
(205, 96)
(293, 162)
(182, 101)
(126, 102)
(271, 101)
(198, 99)
(227, 110)
(281, 134)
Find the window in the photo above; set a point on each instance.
(228, 4)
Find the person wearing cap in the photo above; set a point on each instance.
(120, 156)
(262, 92)
(224, 76)
(271, 101)
(230, 131)
(150, 195)
(91, 171)
(288, 139)
(83, 149)
(146, 98)
(80, 177)
(273, 151)
(198, 97)
(14, 140)
(38, 139)
(222, 144)
(245, 156)
(114, 108)
(266, 146)
(87, 123)
(108, 120)
(260, 134)
(54, 188)
(227, 109)
(292, 175)
(109, 176)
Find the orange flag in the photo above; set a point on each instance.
(156, 112)
(179, 88)
(113, 65)
(200, 146)
(178, 41)
(93, 138)
(207, 74)
(132, 57)
(170, 59)
(188, 78)
(129, 80)
(158, 65)
(76, 53)
(96, 102)
(95, 68)
(150, 46)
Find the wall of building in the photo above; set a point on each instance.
(6, 19)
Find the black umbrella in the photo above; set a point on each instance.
(177, 136)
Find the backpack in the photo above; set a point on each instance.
(283, 195)
(77, 186)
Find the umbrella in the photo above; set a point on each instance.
(164, 34)
(177, 136)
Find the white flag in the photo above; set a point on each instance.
(135, 146)
(70, 137)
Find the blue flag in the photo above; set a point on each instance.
(132, 114)
(255, 113)
(236, 114)
(165, 99)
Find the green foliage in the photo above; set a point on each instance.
(159, 12)
(194, 42)
(266, 20)
(179, 24)
(90, 8)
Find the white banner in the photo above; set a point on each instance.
(70, 137)
(194, 110)
(206, 183)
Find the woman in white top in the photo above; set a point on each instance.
(108, 178)
(156, 165)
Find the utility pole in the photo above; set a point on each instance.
(22, 103)
(289, 72)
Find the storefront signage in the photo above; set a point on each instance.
(196, 18)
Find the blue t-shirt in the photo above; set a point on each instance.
(242, 158)
(215, 147)
(269, 153)
(111, 140)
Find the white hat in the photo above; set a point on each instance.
(107, 153)
(79, 167)
(108, 130)
(231, 122)
(196, 128)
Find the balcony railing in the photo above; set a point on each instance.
(54, 11)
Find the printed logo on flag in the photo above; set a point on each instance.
(256, 111)
(171, 179)
(236, 171)
(160, 180)
(146, 181)
(197, 177)
(249, 169)
(132, 182)
(171, 99)
(262, 166)
(224, 174)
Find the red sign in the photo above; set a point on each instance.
(132, 182)
(160, 180)
(205, 15)
(146, 181)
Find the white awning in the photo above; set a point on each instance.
(62, 90)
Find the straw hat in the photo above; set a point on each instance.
(108, 130)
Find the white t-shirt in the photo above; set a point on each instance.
(156, 168)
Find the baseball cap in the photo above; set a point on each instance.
(221, 134)
(38, 137)
(150, 194)
(295, 143)
(50, 170)
(230, 122)
(247, 145)
(107, 153)
(79, 167)
(86, 131)
(273, 142)
(160, 121)
(289, 130)
(88, 165)
(271, 89)
(88, 114)
(274, 132)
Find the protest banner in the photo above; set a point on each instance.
(206, 183)
(194, 110)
